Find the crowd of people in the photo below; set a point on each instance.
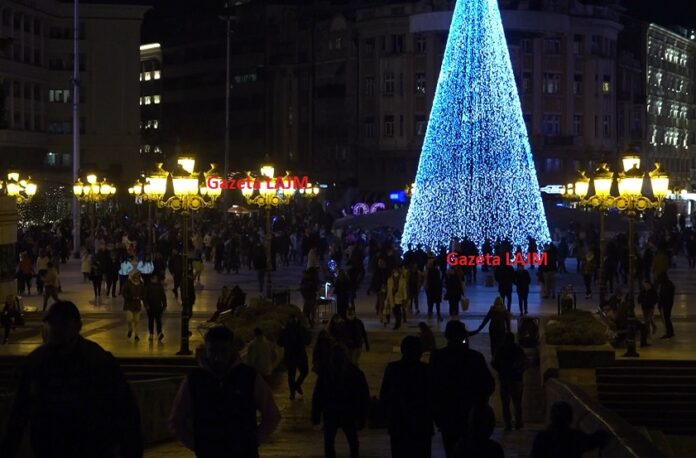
(89, 410)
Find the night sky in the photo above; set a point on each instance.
(664, 12)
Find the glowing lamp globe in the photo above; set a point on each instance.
(631, 182)
(659, 179)
(582, 185)
(603, 178)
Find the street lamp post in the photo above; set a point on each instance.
(189, 195)
(93, 191)
(22, 189)
(268, 194)
(630, 201)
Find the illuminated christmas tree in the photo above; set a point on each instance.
(476, 177)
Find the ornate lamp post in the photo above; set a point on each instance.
(22, 189)
(269, 194)
(188, 196)
(92, 191)
(630, 200)
(311, 191)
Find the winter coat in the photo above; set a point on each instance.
(77, 404)
(155, 298)
(341, 396)
(133, 295)
(397, 294)
(405, 396)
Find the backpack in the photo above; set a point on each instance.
(528, 332)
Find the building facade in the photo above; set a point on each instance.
(36, 72)
(150, 101)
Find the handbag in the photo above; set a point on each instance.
(465, 304)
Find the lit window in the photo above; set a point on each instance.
(141, 100)
(148, 100)
(155, 124)
(158, 150)
(606, 84)
(141, 77)
(156, 75)
(156, 99)
(148, 76)
(147, 148)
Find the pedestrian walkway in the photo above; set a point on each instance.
(296, 437)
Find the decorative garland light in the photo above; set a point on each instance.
(476, 177)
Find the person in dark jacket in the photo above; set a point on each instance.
(260, 262)
(647, 298)
(453, 284)
(322, 351)
(665, 302)
(460, 380)
(505, 276)
(510, 362)
(427, 339)
(559, 440)
(176, 268)
(73, 396)
(342, 397)
(133, 294)
(214, 412)
(155, 304)
(294, 339)
(10, 314)
(499, 318)
(343, 289)
(522, 280)
(478, 442)
(405, 396)
(357, 336)
(433, 288)
(308, 288)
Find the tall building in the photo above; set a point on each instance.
(666, 60)
(150, 101)
(36, 71)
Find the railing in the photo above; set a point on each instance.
(589, 416)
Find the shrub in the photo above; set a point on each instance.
(262, 314)
(577, 327)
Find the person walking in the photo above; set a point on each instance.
(41, 269)
(9, 316)
(427, 339)
(111, 269)
(214, 412)
(25, 272)
(433, 288)
(155, 305)
(176, 269)
(86, 264)
(505, 276)
(415, 282)
(322, 351)
(647, 298)
(133, 294)
(261, 354)
(455, 290)
(510, 362)
(589, 266)
(308, 289)
(397, 293)
(460, 380)
(343, 289)
(51, 285)
(522, 281)
(73, 396)
(96, 274)
(477, 442)
(405, 395)
(665, 301)
(559, 440)
(293, 339)
(357, 336)
(341, 399)
(499, 318)
(260, 262)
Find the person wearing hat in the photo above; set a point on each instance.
(133, 295)
(73, 396)
(460, 382)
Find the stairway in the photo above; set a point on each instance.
(658, 395)
(134, 369)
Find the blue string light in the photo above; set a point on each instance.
(476, 177)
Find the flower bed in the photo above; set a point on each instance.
(261, 314)
(577, 327)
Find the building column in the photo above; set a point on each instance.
(8, 243)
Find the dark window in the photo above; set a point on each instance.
(420, 83)
(388, 126)
(420, 44)
(552, 46)
(420, 125)
(577, 84)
